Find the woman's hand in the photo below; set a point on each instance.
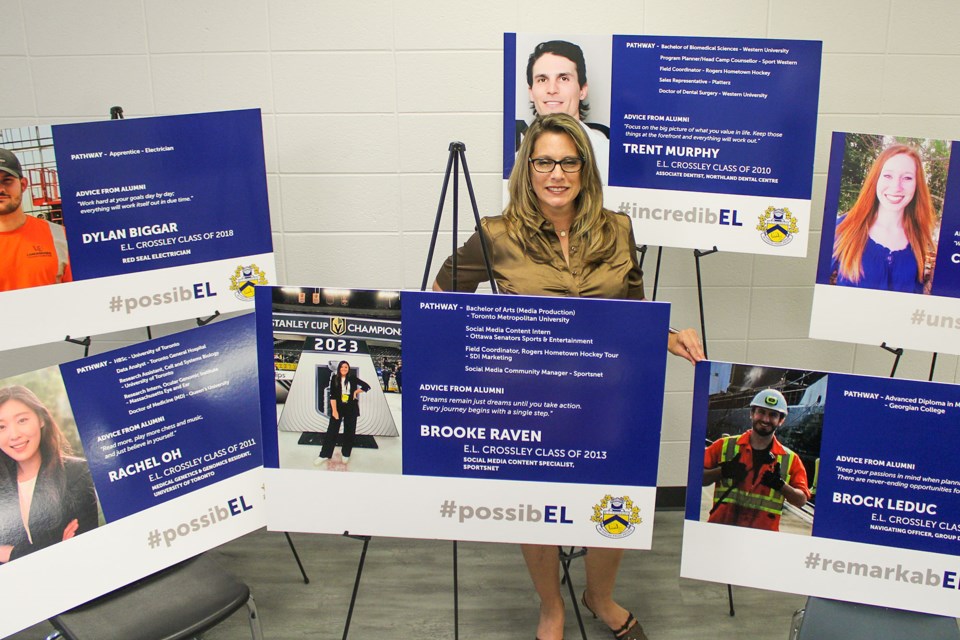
(356, 393)
(5, 551)
(686, 344)
(71, 529)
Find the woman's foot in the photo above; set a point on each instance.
(550, 626)
(622, 624)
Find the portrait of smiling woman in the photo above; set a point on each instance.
(46, 495)
(885, 239)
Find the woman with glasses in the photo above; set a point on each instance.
(555, 238)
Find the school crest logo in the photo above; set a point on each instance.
(244, 279)
(777, 226)
(338, 326)
(616, 516)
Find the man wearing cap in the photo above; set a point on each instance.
(33, 252)
(753, 473)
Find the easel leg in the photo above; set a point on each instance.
(898, 352)
(565, 559)
(456, 595)
(656, 273)
(456, 212)
(454, 160)
(697, 254)
(83, 342)
(356, 583)
(296, 557)
(436, 222)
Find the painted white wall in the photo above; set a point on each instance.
(361, 99)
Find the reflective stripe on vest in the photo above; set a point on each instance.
(59, 237)
(771, 501)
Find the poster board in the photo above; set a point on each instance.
(883, 521)
(165, 431)
(509, 430)
(164, 218)
(703, 142)
(895, 300)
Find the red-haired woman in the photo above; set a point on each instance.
(882, 242)
(46, 496)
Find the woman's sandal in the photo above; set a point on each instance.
(631, 629)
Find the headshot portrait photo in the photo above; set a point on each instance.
(568, 74)
(33, 243)
(47, 494)
(888, 214)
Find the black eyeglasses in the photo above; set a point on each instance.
(567, 165)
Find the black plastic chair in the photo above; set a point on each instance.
(824, 619)
(177, 603)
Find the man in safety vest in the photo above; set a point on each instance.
(753, 473)
(33, 252)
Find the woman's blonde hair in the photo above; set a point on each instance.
(853, 231)
(591, 226)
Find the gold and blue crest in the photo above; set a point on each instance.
(616, 516)
(777, 226)
(243, 280)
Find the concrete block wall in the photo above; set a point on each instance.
(361, 99)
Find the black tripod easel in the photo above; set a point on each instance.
(454, 160)
(642, 250)
(697, 255)
(898, 353)
(457, 157)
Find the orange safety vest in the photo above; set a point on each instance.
(768, 500)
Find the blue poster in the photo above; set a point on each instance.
(148, 455)
(525, 388)
(168, 416)
(497, 418)
(886, 485)
(889, 265)
(702, 141)
(162, 192)
(839, 476)
(131, 223)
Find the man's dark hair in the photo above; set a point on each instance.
(567, 50)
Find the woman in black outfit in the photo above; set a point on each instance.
(345, 390)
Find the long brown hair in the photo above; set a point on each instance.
(591, 226)
(53, 446)
(853, 231)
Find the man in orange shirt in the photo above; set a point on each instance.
(33, 252)
(753, 473)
